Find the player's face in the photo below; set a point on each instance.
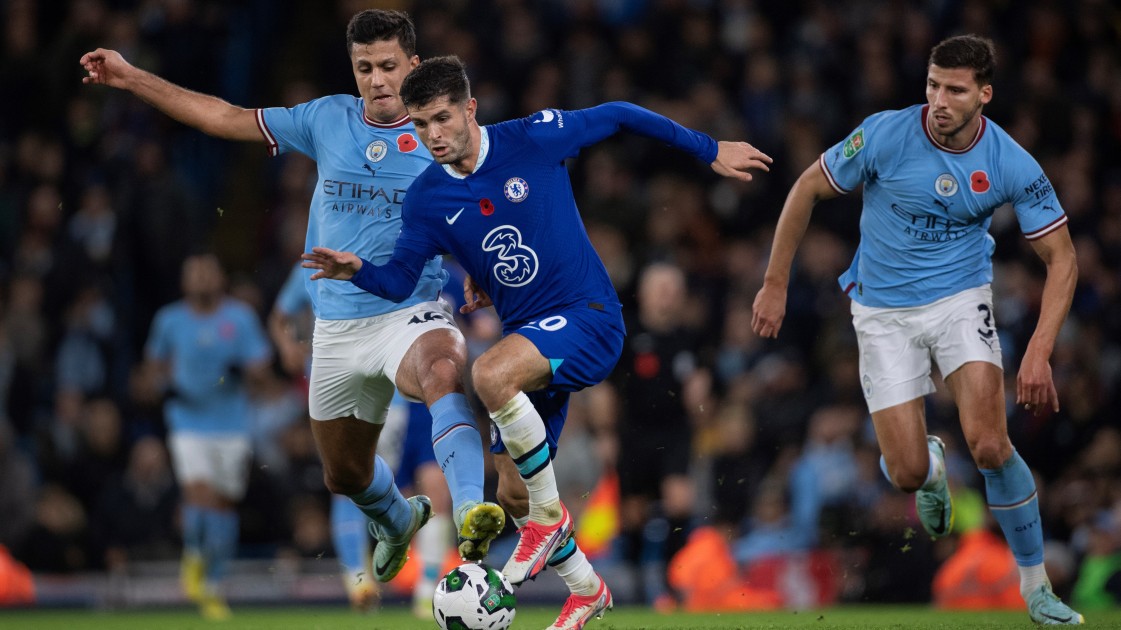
(955, 100)
(202, 277)
(445, 128)
(379, 69)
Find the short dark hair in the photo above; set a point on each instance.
(375, 25)
(436, 77)
(967, 51)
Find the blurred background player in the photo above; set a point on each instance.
(363, 347)
(405, 444)
(920, 285)
(203, 353)
(655, 374)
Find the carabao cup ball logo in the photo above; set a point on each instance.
(376, 150)
(515, 189)
(946, 185)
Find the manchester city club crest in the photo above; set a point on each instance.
(376, 150)
(946, 185)
(515, 189)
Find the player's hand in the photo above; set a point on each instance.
(331, 264)
(735, 159)
(1035, 387)
(474, 297)
(768, 310)
(105, 67)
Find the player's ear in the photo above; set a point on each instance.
(986, 93)
(414, 61)
(472, 106)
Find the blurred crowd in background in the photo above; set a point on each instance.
(102, 197)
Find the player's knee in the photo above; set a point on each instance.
(990, 452)
(485, 377)
(443, 375)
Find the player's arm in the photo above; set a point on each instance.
(730, 159)
(769, 307)
(1035, 387)
(208, 114)
(474, 296)
(282, 331)
(394, 281)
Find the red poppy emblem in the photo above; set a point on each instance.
(227, 330)
(486, 207)
(979, 181)
(406, 143)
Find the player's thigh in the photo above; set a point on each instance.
(894, 356)
(413, 340)
(337, 374)
(978, 390)
(581, 345)
(965, 332)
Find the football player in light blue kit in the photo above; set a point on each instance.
(920, 286)
(367, 154)
(202, 352)
(405, 444)
(499, 199)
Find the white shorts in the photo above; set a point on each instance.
(354, 361)
(897, 344)
(219, 460)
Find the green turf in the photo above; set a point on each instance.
(328, 618)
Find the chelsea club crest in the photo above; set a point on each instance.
(515, 189)
(376, 150)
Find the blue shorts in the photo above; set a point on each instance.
(582, 344)
(417, 447)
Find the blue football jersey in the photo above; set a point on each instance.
(924, 229)
(207, 353)
(293, 296)
(513, 223)
(364, 170)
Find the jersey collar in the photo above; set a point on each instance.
(484, 150)
(400, 122)
(939, 145)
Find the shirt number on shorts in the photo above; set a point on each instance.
(987, 331)
(549, 324)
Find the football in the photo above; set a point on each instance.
(473, 597)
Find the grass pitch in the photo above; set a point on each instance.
(623, 618)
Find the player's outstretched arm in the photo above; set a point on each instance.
(769, 308)
(331, 265)
(736, 159)
(208, 114)
(1035, 387)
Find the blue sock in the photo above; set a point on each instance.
(383, 502)
(458, 448)
(220, 542)
(348, 532)
(1010, 490)
(192, 529)
(564, 553)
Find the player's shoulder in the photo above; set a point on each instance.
(895, 121)
(1001, 139)
(238, 309)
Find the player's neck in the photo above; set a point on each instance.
(467, 165)
(204, 303)
(961, 138)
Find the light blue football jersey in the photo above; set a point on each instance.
(207, 353)
(924, 229)
(364, 170)
(293, 296)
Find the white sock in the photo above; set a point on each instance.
(523, 432)
(520, 521)
(432, 543)
(577, 572)
(935, 474)
(1031, 578)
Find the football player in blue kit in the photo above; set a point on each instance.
(203, 352)
(405, 444)
(364, 346)
(499, 199)
(933, 175)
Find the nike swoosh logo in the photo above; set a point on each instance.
(455, 216)
(381, 569)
